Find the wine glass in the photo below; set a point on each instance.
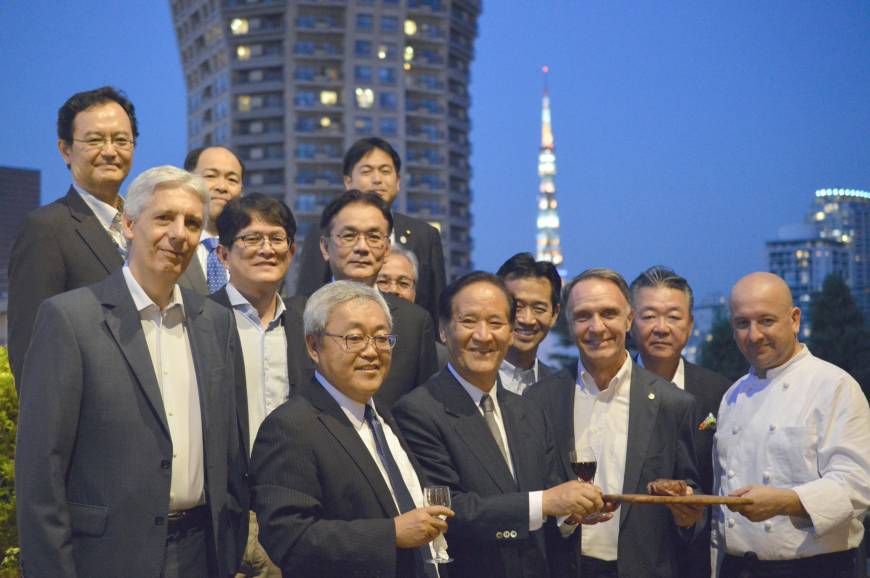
(438, 496)
(584, 463)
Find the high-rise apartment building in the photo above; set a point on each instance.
(291, 84)
(19, 194)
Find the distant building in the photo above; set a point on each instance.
(548, 244)
(291, 85)
(844, 215)
(804, 260)
(705, 314)
(19, 194)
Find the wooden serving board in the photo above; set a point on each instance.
(697, 499)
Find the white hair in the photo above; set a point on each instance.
(323, 302)
(399, 251)
(142, 188)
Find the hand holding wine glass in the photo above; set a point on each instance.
(438, 496)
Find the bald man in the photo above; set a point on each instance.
(793, 436)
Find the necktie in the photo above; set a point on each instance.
(216, 273)
(116, 232)
(526, 378)
(400, 490)
(489, 415)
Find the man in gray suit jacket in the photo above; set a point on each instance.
(129, 460)
(638, 426)
(76, 240)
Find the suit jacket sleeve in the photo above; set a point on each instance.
(47, 425)
(289, 501)
(478, 518)
(36, 272)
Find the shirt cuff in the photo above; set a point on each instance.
(536, 510)
(826, 502)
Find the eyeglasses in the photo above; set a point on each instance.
(257, 240)
(98, 142)
(374, 239)
(358, 341)
(403, 283)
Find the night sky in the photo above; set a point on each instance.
(686, 132)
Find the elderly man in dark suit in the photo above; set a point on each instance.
(128, 461)
(356, 239)
(76, 240)
(373, 165)
(335, 488)
(494, 449)
(662, 302)
(638, 426)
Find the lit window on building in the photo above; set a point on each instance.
(239, 26)
(325, 121)
(365, 97)
(410, 28)
(328, 97)
(243, 52)
(386, 51)
(244, 103)
(409, 53)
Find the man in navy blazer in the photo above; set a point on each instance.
(128, 461)
(494, 449)
(76, 240)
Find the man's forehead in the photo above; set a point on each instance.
(354, 211)
(376, 158)
(661, 296)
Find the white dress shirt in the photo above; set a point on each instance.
(806, 426)
(105, 213)
(264, 350)
(601, 423)
(679, 378)
(512, 376)
(169, 347)
(536, 498)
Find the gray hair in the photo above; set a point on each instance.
(600, 273)
(660, 276)
(323, 302)
(142, 188)
(400, 251)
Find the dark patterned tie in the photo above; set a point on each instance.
(216, 273)
(400, 490)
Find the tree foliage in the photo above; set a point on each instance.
(8, 421)
(720, 354)
(838, 333)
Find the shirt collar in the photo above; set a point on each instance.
(614, 388)
(238, 301)
(474, 392)
(206, 235)
(773, 372)
(104, 212)
(354, 410)
(141, 299)
(515, 371)
(679, 378)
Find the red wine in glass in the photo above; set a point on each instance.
(584, 464)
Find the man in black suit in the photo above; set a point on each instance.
(662, 302)
(373, 165)
(128, 461)
(494, 449)
(223, 172)
(335, 488)
(639, 427)
(535, 286)
(356, 239)
(77, 239)
(256, 235)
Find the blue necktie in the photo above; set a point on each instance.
(216, 273)
(400, 490)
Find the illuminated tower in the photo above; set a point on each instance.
(548, 218)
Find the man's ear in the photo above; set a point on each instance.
(311, 348)
(223, 254)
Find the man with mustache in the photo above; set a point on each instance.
(793, 436)
(77, 240)
(535, 286)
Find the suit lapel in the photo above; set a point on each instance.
(123, 321)
(516, 431)
(335, 421)
(472, 429)
(565, 417)
(643, 408)
(404, 233)
(200, 333)
(92, 233)
(295, 343)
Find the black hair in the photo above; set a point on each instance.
(660, 276)
(364, 146)
(524, 266)
(445, 302)
(192, 158)
(82, 101)
(348, 198)
(239, 212)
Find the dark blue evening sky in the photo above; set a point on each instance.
(686, 132)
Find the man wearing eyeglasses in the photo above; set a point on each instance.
(77, 240)
(356, 239)
(222, 171)
(335, 487)
(256, 234)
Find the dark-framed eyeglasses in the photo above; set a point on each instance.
(121, 142)
(374, 239)
(257, 240)
(359, 341)
(403, 283)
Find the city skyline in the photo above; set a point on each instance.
(687, 134)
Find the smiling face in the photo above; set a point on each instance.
(256, 269)
(535, 313)
(359, 261)
(662, 322)
(375, 173)
(600, 317)
(222, 172)
(357, 374)
(99, 170)
(164, 236)
(479, 333)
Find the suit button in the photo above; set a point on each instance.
(164, 464)
(158, 521)
(498, 535)
(513, 533)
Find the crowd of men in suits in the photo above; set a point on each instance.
(181, 416)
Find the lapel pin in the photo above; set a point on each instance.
(652, 395)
